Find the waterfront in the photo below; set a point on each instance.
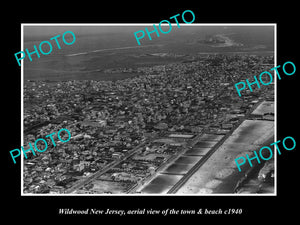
(143, 126)
(219, 174)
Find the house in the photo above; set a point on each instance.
(227, 126)
(116, 155)
(78, 167)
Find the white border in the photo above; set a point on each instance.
(275, 109)
(149, 24)
(22, 108)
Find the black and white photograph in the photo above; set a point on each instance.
(144, 112)
(161, 117)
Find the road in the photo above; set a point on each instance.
(201, 162)
(183, 180)
(92, 177)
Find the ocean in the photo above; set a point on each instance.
(98, 48)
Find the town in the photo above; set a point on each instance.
(124, 131)
(36, 146)
(269, 74)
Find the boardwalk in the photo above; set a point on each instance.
(219, 170)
